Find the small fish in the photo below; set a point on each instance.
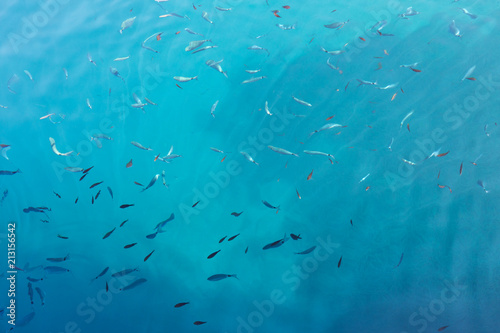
(95, 184)
(461, 166)
(295, 237)
(124, 272)
(30, 291)
(286, 27)
(232, 237)
(204, 48)
(104, 271)
(453, 29)
(310, 175)
(205, 17)
(41, 294)
(400, 260)
(210, 256)
(55, 269)
(445, 186)
(62, 237)
(301, 101)
(222, 239)
(212, 110)
(9, 173)
(408, 162)
(298, 194)
(110, 192)
(480, 183)
(152, 182)
(248, 157)
(185, 79)
(443, 154)
(198, 322)
(58, 259)
(281, 151)
(336, 25)
(134, 284)
(138, 145)
(469, 72)
(367, 83)
(149, 255)
(192, 32)
(266, 108)
(54, 148)
(442, 328)
(267, 204)
(108, 233)
(218, 277)
(236, 214)
(216, 65)
(309, 250)
(195, 44)
(223, 9)
(406, 117)
(340, 261)
(129, 164)
(126, 205)
(246, 250)
(178, 305)
(127, 24)
(28, 74)
(258, 48)
(326, 127)
(466, 12)
(115, 72)
(409, 12)
(363, 179)
(194, 205)
(65, 73)
(57, 195)
(313, 152)
(275, 244)
(336, 52)
(254, 79)
(252, 71)
(121, 59)
(97, 195)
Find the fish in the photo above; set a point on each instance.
(267, 204)
(185, 79)
(28, 74)
(442, 328)
(392, 85)
(286, 27)
(9, 173)
(73, 169)
(248, 157)
(198, 322)
(326, 127)
(466, 12)
(408, 162)
(65, 73)
(121, 58)
(124, 272)
(178, 305)
(104, 271)
(211, 255)
(123, 223)
(236, 214)
(152, 182)
(134, 284)
(453, 29)
(223, 9)
(205, 17)
(281, 151)
(129, 164)
(217, 150)
(58, 259)
(480, 183)
(195, 44)
(115, 72)
(246, 250)
(25, 320)
(138, 145)
(232, 237)
(149, 255)
(218, 277)
(363, 179)
(266, 108)
(163, 179)
(110, 192)
(320, 153)
(159, 227)
(30, 291)
(127, 23)
(254, 79)
(149, 101)
(301, 101)
(298, 194)
(275, 244)
(216, 65)
(258, 48)
(4, 149)
(222, 239)
(409, 12)
(55, 269)
(469, 72)
(87, 170)
(295, 237)
(461, 166)
(108, 233)
(143, 44)
(340, 261)
(126, 205)
(54, 148)
(204, 48)
(400, 260)
(95, 184)
(97, 195)
(406, 117)
(41, 294)
(335, 25)
(252, 71)
(368, 83)
(336, 52)
(309, 250)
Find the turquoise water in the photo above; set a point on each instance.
(406, 235)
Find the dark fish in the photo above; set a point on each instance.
(340, 261)
(8, 173)
(63, 237)
(351, 223)
(267, 204)
(92, 199)
(134, 284)
(309, 250)
(124, 272)
(275, 244)
(126, 205)
(233, 237)
(236, 214)
(97, 195)
(57, 194)
(84, 175)
(45, 221)
(218, 277)
(30, 291)
(76, 200)
(194, 205)
(210, 256)
(178, 305)
(41, 294)
(34, 280)
(295, 237)
(246, 250)
(107, 287)
(55, 269)
(95, 184)
(400, 260)
(58, 259)
(129, 246)
(109, 233)
(149, 255)
(442, 328)
(222, 239)
(110, 192)
(121, 225)
(197, 323)
(87, 170)
(104, 271)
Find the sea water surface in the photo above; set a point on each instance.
(401, 209)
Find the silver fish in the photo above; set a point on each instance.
(223, 9)
(216, 65)
(301, 101)
(309, 250)
(55, 269)
(163, 179)
(393, 85)
(89, 57)
(252, 71)
(115, 72)
(212, 110)
(205, 17)
(54, 148)
(195, 44)
(218, 277)
(466, 12)
(453, 29)
(281, 151)
(28, 74)
(134, 284)
(185, 79)
(124, 272)
(313, 152)
(332, 52)
(469, 72)
(248, 157)
(204, 48)
(73, 169)
(330, 65)
(326, 127)
(127, 23)
(143, 44)
(3, 151)
(254, 79)
(368, 83)
(286, 27)
(192, 32)
(409, 12)
(30, 291)
(41, 294)
(138, 145)
(258, 48)
(152, 182)
(266, 108)
(336, 25)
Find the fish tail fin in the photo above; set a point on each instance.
(235, 276)
(18, 171)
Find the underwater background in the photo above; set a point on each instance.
(387, 223)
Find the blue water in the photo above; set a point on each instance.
(413, 247)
